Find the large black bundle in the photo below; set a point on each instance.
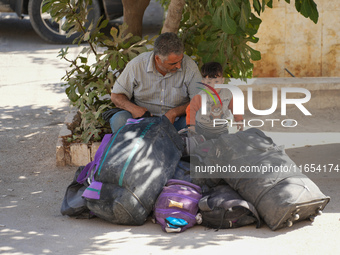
(136, 164)
(222, 207)
(263, 174)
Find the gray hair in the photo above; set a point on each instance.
(166, 44)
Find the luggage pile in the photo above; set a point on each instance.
(141, 171)
(280, 197)
(132, 170)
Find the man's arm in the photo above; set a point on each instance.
(122, 101)
(176, 112)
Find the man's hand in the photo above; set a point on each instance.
(121, 101)
(138, 112)
(171, 115)
(176, 112)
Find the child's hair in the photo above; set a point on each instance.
(212, 70)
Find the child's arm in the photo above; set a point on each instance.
(237, 117)
(193, 107)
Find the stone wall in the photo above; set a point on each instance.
(289, 40)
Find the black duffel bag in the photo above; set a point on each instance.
(222, 207)
(280, 192)
(138, 161)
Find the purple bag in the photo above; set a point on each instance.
(177, 205)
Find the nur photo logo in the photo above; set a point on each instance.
(239, 105)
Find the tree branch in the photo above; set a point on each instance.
(174, 16)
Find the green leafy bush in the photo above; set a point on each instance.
(88, 83)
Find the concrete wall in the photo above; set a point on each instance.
(289, 40)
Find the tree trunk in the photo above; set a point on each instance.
(174, 16)
(133, 15)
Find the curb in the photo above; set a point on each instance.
(73, 154)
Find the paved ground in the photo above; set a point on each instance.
(32, 107)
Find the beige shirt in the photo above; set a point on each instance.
(148, 88)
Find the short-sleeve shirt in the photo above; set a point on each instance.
(141, 82)
(214, 110)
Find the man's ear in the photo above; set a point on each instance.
(157, 59)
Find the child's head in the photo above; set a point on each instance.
(212, 73)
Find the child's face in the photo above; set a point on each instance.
(213, 81)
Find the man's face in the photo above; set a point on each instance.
(169, 65)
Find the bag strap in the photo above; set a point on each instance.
(86, 172)
(82, 177)
(204, 206)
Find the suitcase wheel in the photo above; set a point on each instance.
(319, 211)
(296, 216)
(289, 223)
(312, 218)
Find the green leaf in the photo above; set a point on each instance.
(257, 6)
(305, 8)
(207, 20)
(85, 50)
(131, 55)
(270, 4)
(220, 56)
(121, 63)
(254, 54)
(234, 8)
(83, 60)
(109, 43)
(113, 60)
(229, 50)
(216, 20)
(81, 89)
(87, 36)
(298, 5)
(46, 6)
(314, 14)
(264, 2)
(63, 53)
(229, 26)
(82, 108)
(244, 16)
(101, 109)
(72, 95)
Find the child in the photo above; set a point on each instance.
(203, 124)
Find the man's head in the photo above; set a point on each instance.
(212, 73)
(168, 50)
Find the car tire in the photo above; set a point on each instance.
(48, 30)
